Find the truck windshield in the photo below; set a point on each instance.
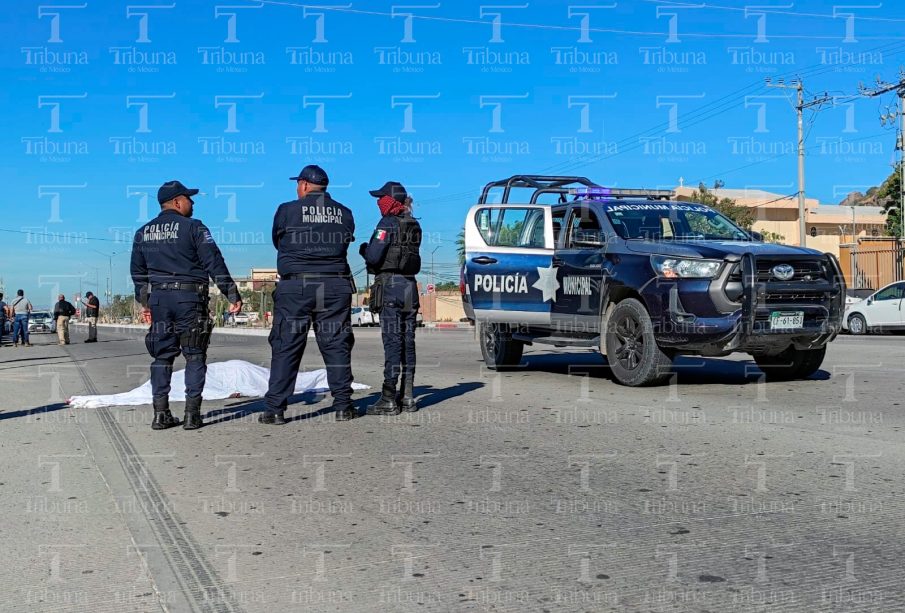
(671, 221)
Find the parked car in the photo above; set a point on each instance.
(882, 310)
(362, 316)
(41, 321)
(642, 278)
(240, 319)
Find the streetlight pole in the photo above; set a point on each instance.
(432, 266)
(854, 235)
(109, 290)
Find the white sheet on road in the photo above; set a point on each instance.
(231, 379)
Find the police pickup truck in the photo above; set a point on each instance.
(642, 278)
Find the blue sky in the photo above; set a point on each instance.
(106, 100)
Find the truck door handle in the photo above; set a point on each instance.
(484, 259)
(558, 262)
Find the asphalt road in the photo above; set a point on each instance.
(549, 488)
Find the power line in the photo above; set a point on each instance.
(752, 10)
(567, 28)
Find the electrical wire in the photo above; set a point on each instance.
(756, 10)
(567, 28)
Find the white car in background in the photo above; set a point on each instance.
(882, 310)
(362, 316)
(41, 321)
(241, 319)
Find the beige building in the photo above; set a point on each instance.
(258, 279)
(827, 226)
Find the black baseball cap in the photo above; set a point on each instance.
(171, 189)
(393, 189)
(312, 174)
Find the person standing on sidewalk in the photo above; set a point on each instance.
(173, 259)
(21, 308)
(4, 309)
(62, 311)
(393, 255)
(92, 310)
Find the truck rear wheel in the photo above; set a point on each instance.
(631, 349)
(791, 364)
(498, 347)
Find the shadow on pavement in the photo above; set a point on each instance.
(50, 408)
(256, 405)
(428, 395)
(690, 370)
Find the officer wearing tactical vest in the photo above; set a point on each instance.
(393, 255)
(173, 256)
(312, 236)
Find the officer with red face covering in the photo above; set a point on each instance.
(393, 255)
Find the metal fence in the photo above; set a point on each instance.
(867, 266)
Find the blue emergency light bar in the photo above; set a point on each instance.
(601, 193)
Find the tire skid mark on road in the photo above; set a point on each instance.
(200, 582)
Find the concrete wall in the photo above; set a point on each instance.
(442, 306)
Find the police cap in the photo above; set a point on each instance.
(171, 189)
(393, 189)
(312, 174)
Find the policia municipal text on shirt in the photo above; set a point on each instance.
(173, 258)
(311, 235)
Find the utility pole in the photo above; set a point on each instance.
(432, 266)
(893, 118)
(800, 106)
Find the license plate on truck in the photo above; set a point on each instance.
(786, 320)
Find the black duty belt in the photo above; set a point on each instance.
(180, 286)
(299, 276)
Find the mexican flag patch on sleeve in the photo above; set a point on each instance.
(380, 234)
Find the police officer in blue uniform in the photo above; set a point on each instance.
(173, 256)
(393, 255)
(312, 236)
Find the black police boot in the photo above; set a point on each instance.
(192, 413)
(163, 419)
(273, 419)
(386, 404)
(345, 413)
(407, 399)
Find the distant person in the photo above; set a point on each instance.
(4, 315)
(21, 308)
(393, 255)
(62, 311)
(173, 259)
(92, 310)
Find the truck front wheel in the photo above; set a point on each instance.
(631, 349)
(791, 364)
(498, 347)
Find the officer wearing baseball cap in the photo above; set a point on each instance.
(311, 235)
(173, 258)
(393, 255)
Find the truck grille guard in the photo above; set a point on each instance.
(755, 291)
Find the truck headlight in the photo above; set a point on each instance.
(680, 268)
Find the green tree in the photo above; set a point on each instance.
(460, 246)
(890, 198)
(743, 216)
